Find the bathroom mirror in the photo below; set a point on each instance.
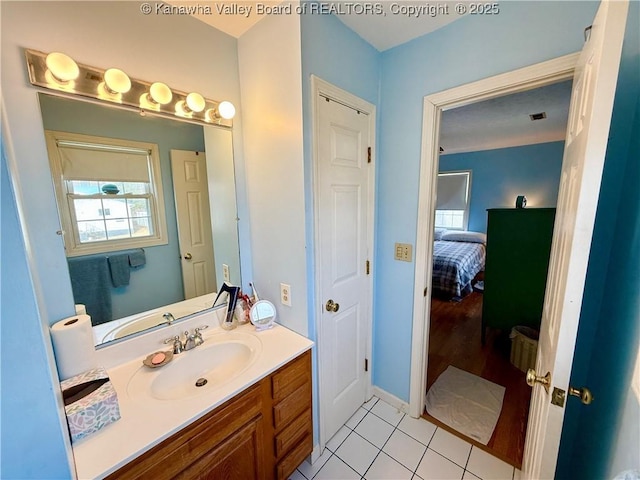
(163, 279)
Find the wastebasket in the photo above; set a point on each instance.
(524, 347)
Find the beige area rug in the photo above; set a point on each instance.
(465, 402)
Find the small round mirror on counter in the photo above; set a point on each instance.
(263, 314)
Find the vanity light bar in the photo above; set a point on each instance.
(79, 79)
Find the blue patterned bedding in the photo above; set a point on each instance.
(455, 264)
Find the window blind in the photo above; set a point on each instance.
(452, 191)
(96, 162)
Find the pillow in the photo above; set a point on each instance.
(438, 232)
(462, 236)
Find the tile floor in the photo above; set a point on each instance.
(379, 442)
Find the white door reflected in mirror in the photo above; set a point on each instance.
(263, 315)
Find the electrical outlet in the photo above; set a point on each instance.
(225, 273)
(404, 252)
(285, 294)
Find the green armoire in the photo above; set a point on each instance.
(518, 248)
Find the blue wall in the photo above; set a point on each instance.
(609, 329)
(468, 49)
(159, 282)
(29, 449)
(498, 176)
(353, 65)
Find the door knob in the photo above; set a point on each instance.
(583, 393)
(332, 306)
(533, 378)
(188, 256)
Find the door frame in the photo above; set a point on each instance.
(533, 76)
(322, 87)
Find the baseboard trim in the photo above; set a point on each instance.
(315, 454)
(391, 399)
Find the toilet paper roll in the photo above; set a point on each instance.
(73, 346)
(81, 309)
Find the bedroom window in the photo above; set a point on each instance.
(109, 192)
(452, 204)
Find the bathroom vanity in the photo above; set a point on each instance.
(264, 432)
(257, 424)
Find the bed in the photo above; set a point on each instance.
(456, 262)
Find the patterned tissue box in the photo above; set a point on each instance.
(90, 402)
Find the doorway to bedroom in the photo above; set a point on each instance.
(488, 276)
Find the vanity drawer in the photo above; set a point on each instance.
(291, 377)
(289, 463)
(292, 406)
(293, 433)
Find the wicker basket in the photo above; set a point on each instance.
(524, 347)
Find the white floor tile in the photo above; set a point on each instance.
(297, 476)
(309, 470)
(338, 438)
(435, 467)
(418, 428)
(450, 446)
(374, 429)
(356, 417)
(356, 452)
(406, 450)
(370, 403)
(386, 468)
(469, 476)
(387, 413)
(488, 467)
(336, 469)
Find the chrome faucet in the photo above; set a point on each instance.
(168, 317)
(191, 341)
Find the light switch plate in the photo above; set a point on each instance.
(404, 252)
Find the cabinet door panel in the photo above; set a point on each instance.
(240, 456)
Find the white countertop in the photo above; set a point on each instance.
(146, 422)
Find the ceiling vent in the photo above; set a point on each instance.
(538, 116)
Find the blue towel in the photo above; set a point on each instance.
(137, 258)
(120, 270)
(91, 286)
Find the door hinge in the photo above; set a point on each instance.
(424, 294)
(367, 267)
(366, 364)
(368, 154)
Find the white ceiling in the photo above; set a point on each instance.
(392, 26)
(504, 121)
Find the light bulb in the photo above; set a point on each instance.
(62, 67)
(195, 102)
(116, 81)
(226, 110)
(160, 93)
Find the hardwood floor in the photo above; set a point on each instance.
(454, 339)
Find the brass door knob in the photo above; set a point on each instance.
(533, 378)
(332, 306)
(188, 256)
(583, 393)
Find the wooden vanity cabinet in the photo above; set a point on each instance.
(265, 432)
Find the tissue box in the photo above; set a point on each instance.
(91, 402)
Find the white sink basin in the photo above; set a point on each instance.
(223, 357)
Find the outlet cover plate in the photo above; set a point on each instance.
(285, 294)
